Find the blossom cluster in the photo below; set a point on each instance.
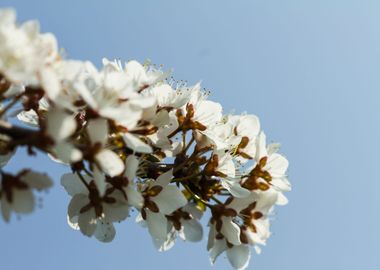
(135, 139)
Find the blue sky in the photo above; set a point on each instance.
(308, 69)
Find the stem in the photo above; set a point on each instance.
(180, 166)
(216, 200)
(183, 141)
(17, 133)
(83, 180)
(185, 178)
(188, 145)
(22, 136)
(196, 197)
(87, 172)
(174, 133)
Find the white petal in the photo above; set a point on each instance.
(254, 238)
(7, 16)
(127, 117)
(273, 148)
(60, 125)
(73, 222)
(98, 130)
(262, 227)
(168, 243)
(131, 166)
(161, 119)
(249, 125)
(169, 200)
(239, 204)
(164, 94)
(165, 178)
(192, 230)
(281, 184)
(217, 249)
(239, 256)
(276, 165)
(235, 188)
(85, 94)
(281, 199)
(109, 162)
(266, 200)
(50, 83)
(134, 197)
(261, 150)
(67, 153)
(157, 224)
(37, 180)
(105, 231)
(231, 231)
(139, 220)
(143, 102)
(118, 210)
(23, 201)
(135, 144)
(257, 249)
(193, 210)
(208, 112)
(226, 165)
(77, 202)
(28, 117)
(100, 181)
(136, 71)
(211, 237)
(87, 222)
(73, 185)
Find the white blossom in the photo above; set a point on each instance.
(89, 211)
(16, 191)
(134, 139)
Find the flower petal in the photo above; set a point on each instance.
(235, 188)
(134, 197)
(169, 200)
(77, 202)
(100, 181)
(249, 125)
(50, 83)
(192, 230)
(37, 180)
(105, 231)
(135, 144)
(73, 185)
(217, 249)
(239, 256)
(168, 243)
(131, 166)
(98, 130)
(60, 124)
(277, 165)
(164, 179)
(231, 231)
(67, 153)
(23, 201)
(87, 222)
(109, 162)
(118, 210)
(157, 224)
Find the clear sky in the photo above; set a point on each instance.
(309, 70)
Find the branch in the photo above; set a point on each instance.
(15, 132)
